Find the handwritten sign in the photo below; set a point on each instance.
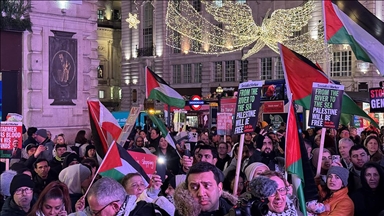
(146, 161)
(224, 123)
(376, 98)
(247, 106)
(325, 105)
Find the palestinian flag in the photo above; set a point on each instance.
(300, 73)
(104, 126)
(164, 131)
(118, 162)
(293, 159)
(157, 89)
(349, 22)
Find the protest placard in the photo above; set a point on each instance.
(325, 105)
(247, 106)
(10, 139)
(376, 100)
(224, 123)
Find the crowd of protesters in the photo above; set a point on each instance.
(52, 174)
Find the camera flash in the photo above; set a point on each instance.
(161, 160)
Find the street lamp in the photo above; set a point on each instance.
(219, 91)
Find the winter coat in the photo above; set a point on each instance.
(340, 203)
(367, 201)
(187, 206)
(10, 208)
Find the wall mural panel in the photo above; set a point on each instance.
(62, 68)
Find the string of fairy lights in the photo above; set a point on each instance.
(233, 28)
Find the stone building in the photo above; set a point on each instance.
(196, 74)
(56, 66)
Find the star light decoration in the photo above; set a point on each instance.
(236, 29)
(132, 21)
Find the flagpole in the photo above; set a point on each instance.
(98, 170)
(327, 60)
(318, 170)
(238, 165)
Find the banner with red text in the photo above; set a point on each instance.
(146, 161)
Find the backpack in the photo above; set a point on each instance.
(144, 208)
(76, 149)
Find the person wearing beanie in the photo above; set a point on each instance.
(334, 194)
(173, 182)
(70, 159)
(21, 200)
(77, 177)
(255, 169)
(42, 139)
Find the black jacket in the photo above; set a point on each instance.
(369, 202)
(29, 140)
(10, 208)
(41, 183)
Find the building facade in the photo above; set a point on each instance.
(196, 74)
(109, 53)
(58, 65)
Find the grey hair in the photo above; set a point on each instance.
(346, 140)
(107, 190)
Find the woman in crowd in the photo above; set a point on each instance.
(53, 201)
(229, 182)
(170, 156)
(254, 170)
(77, 177)
(334, 195)
(369, 198)
(81, 143)
(372, 143)
(90, 152)
(326, 161)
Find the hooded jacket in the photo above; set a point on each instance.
(187, 206)
(73, 176)
(5, 182)
(367, 201)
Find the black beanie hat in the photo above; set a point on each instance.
(21, 180)
(69, 158)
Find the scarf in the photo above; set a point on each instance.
(39, 213)
(290, 211)
(128, 205)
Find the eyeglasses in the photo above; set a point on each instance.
(25, 190)
(98, 212)
(281, 191)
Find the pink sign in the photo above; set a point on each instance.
(146, 161)
(224, 123)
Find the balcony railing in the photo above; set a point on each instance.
(145, 51)
(115, 24)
